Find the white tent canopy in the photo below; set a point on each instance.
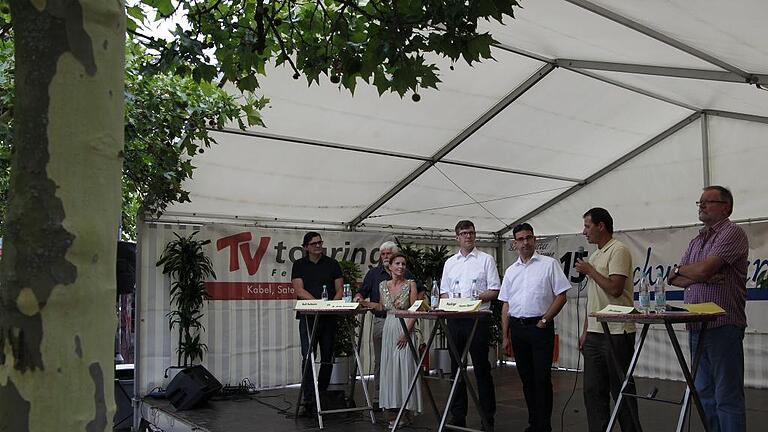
(633, 108)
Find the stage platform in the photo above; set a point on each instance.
(272, 410)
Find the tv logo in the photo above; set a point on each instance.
(239, 244)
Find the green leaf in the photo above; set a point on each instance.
(248, 83)
(137, 13)
(164, 7)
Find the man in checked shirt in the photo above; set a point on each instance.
(714, 269)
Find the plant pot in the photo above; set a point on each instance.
(170, 374)
(340, 372)
(493, 357)
(440, 360)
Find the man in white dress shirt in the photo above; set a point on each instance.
(467, 269)
(533, 291)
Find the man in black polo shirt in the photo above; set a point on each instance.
(370, 291)
(308, 276)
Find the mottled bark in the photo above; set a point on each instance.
(57, 284)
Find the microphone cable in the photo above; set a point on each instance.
(581, 285)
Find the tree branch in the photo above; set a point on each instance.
(282, 46)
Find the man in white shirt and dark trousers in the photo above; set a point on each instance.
(533, 291)
(461, 271)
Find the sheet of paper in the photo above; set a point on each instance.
(616, 309)
(460, 305)
(419, 305)
(706, 308)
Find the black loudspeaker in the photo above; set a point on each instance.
(126, 267)
(191, 387)
(124, 416)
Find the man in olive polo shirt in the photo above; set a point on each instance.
(610, 282)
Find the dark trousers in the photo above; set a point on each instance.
(460, 329)
(324, 336)
(601, 381)
(533, 348)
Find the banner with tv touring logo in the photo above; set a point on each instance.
(255, 263)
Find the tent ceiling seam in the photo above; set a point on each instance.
(607, 169)
(636, 26)
(469, 195)
(455, 142)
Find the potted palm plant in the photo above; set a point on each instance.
(427, 267)
(345, 328)
(186, 263)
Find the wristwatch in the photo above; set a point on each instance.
(676, 271)
(543, 320)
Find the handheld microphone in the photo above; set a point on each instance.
(579, 253)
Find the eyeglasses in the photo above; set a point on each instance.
(708, 202)
(525, 239)
(315, 243)
(466, 234)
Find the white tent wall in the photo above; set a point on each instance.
(252, 335)
(250, 326)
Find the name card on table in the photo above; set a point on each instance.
(325, 305)
(419, 305)
(460, 305)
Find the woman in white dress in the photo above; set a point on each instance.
(397, 363)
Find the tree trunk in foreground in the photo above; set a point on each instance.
(57, 275)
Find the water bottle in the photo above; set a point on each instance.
(474, 293)
(660, 293)
(456, 293)
(435, 295)
(644, 296)
(324, 296)
(347, 294)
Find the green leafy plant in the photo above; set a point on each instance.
(185, 262)
(345, 326)
(426, 265)
(496, 306)
(762, 280)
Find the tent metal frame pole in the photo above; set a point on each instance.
(455, 142)
(319, 143)
(634, 25)
(378, 152)
(705, 148)
(675, 72)
(595, 76)
(613, 165)
(738, 116)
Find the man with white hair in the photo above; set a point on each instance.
(370, 291)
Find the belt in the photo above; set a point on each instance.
(525, 321)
